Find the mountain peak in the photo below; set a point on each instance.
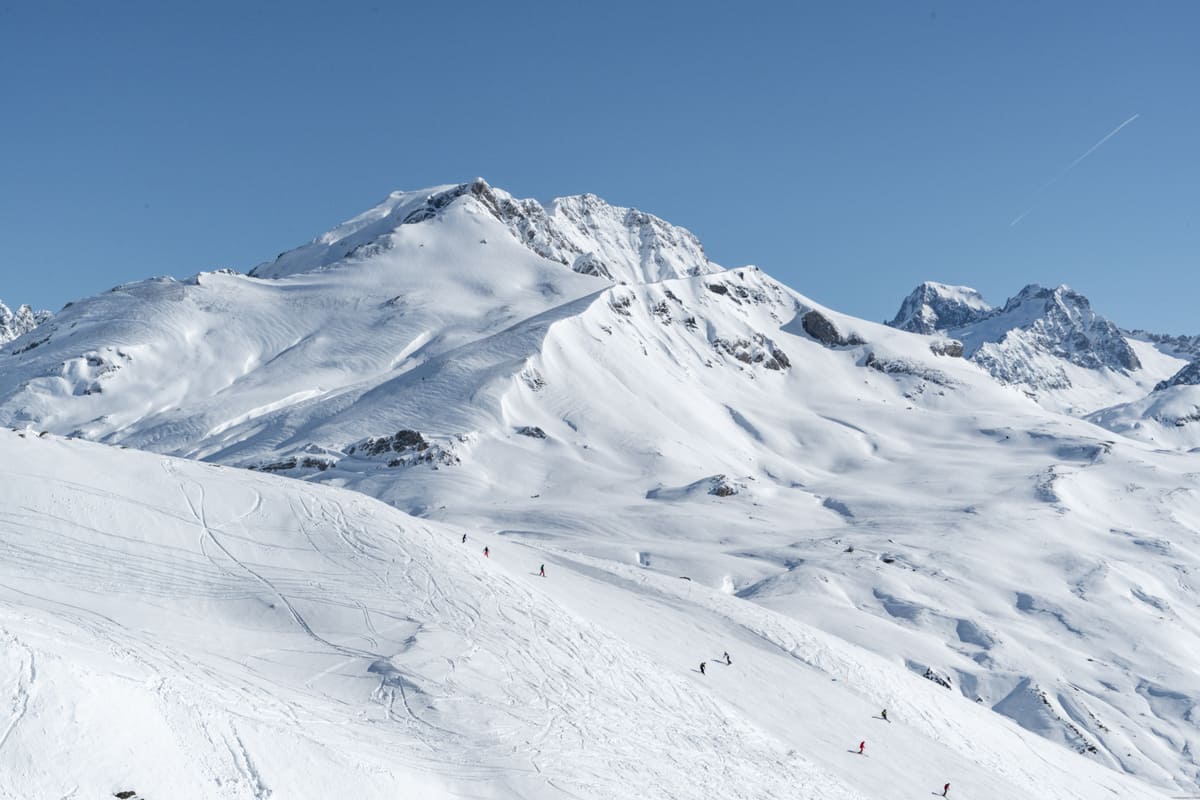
(581, 232)
(20, 322)
(934, 306)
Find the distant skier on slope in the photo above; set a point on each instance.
(464, 538)
(883, 715)
(486, 552)
(946, 790)
(542, 570)
(702, 665)
(861, 747)
(728, 660)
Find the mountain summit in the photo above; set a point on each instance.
(1048, 340)
(936, 306)
(582, 232)
(20, 322)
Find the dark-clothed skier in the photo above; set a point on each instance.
(464, 538)
(728, 660)
(946, 790)
(702, 672)
(542, 570)
(486, 552)
(884, 715)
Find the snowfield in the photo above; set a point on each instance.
(986, 520)
(183, 630)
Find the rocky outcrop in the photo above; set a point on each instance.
(947, 347)
(823, 329)
(20, 322)
(1188, 376)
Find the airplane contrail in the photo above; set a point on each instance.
(1072, 166)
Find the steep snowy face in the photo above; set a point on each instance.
(14, 324)
(935, 306)
(583, 233)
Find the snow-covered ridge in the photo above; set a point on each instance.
(582, 232)
(14, 324)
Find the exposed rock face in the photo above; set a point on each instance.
(937, 306)
(19, 322)
(823, 329)
(1188, 376)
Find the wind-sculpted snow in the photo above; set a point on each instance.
(14, 324)
(181, 630)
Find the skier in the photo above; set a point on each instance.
(884, 715)
(702, 672)
(464, 538)
(945, 790)
(542, 571)
(862, 746)
(485, 552)
(728, 660)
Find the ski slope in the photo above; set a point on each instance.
(187, 630)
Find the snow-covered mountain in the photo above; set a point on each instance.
(936, 306)
(583, 233)
(14, 324)
(1048, 342)
(576, 384)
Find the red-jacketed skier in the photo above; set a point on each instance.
(861, 747)
(486, 552)
(946, 790)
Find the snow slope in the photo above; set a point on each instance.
(850, 482)
(184, 630)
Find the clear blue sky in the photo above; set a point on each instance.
(852, 149)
